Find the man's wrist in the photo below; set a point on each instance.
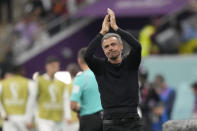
(115, 28)
(103, 32)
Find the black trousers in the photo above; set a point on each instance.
(91, 122)
(123, 122)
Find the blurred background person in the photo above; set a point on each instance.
(59, 7)
(189, 35)
(53, 99)
(167, 97)
(194, 89)
(18, 100)
(193, 5)
(26, 32)
(38, 8)
(149, 100)
(73, 69)
(85, 97)
(145, 37)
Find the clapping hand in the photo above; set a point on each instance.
(112, 19)
(106, 25)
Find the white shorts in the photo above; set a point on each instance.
(49, 125)
(15, 123)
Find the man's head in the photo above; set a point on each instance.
(52, 65)
(159, 81)
(14, 70)
(112, 46)
(194, 87)
(73, 69)
(81, 58)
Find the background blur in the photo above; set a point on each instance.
(31, 30)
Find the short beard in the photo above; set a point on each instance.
(114, 57)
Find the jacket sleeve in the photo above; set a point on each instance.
(134, 57)
(93, 62)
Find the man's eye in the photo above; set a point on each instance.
(113, 44)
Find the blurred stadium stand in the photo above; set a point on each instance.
(18, 38)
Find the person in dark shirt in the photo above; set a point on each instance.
(167, 96)
(150, 102)
(117, 76)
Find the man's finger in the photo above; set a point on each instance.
(106, 17)
(109, 11)
(112, 15)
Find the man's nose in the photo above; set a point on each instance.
(110, 48)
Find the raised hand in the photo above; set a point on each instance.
(105, 25)
(112, 19)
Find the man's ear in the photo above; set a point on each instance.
(78, 60)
